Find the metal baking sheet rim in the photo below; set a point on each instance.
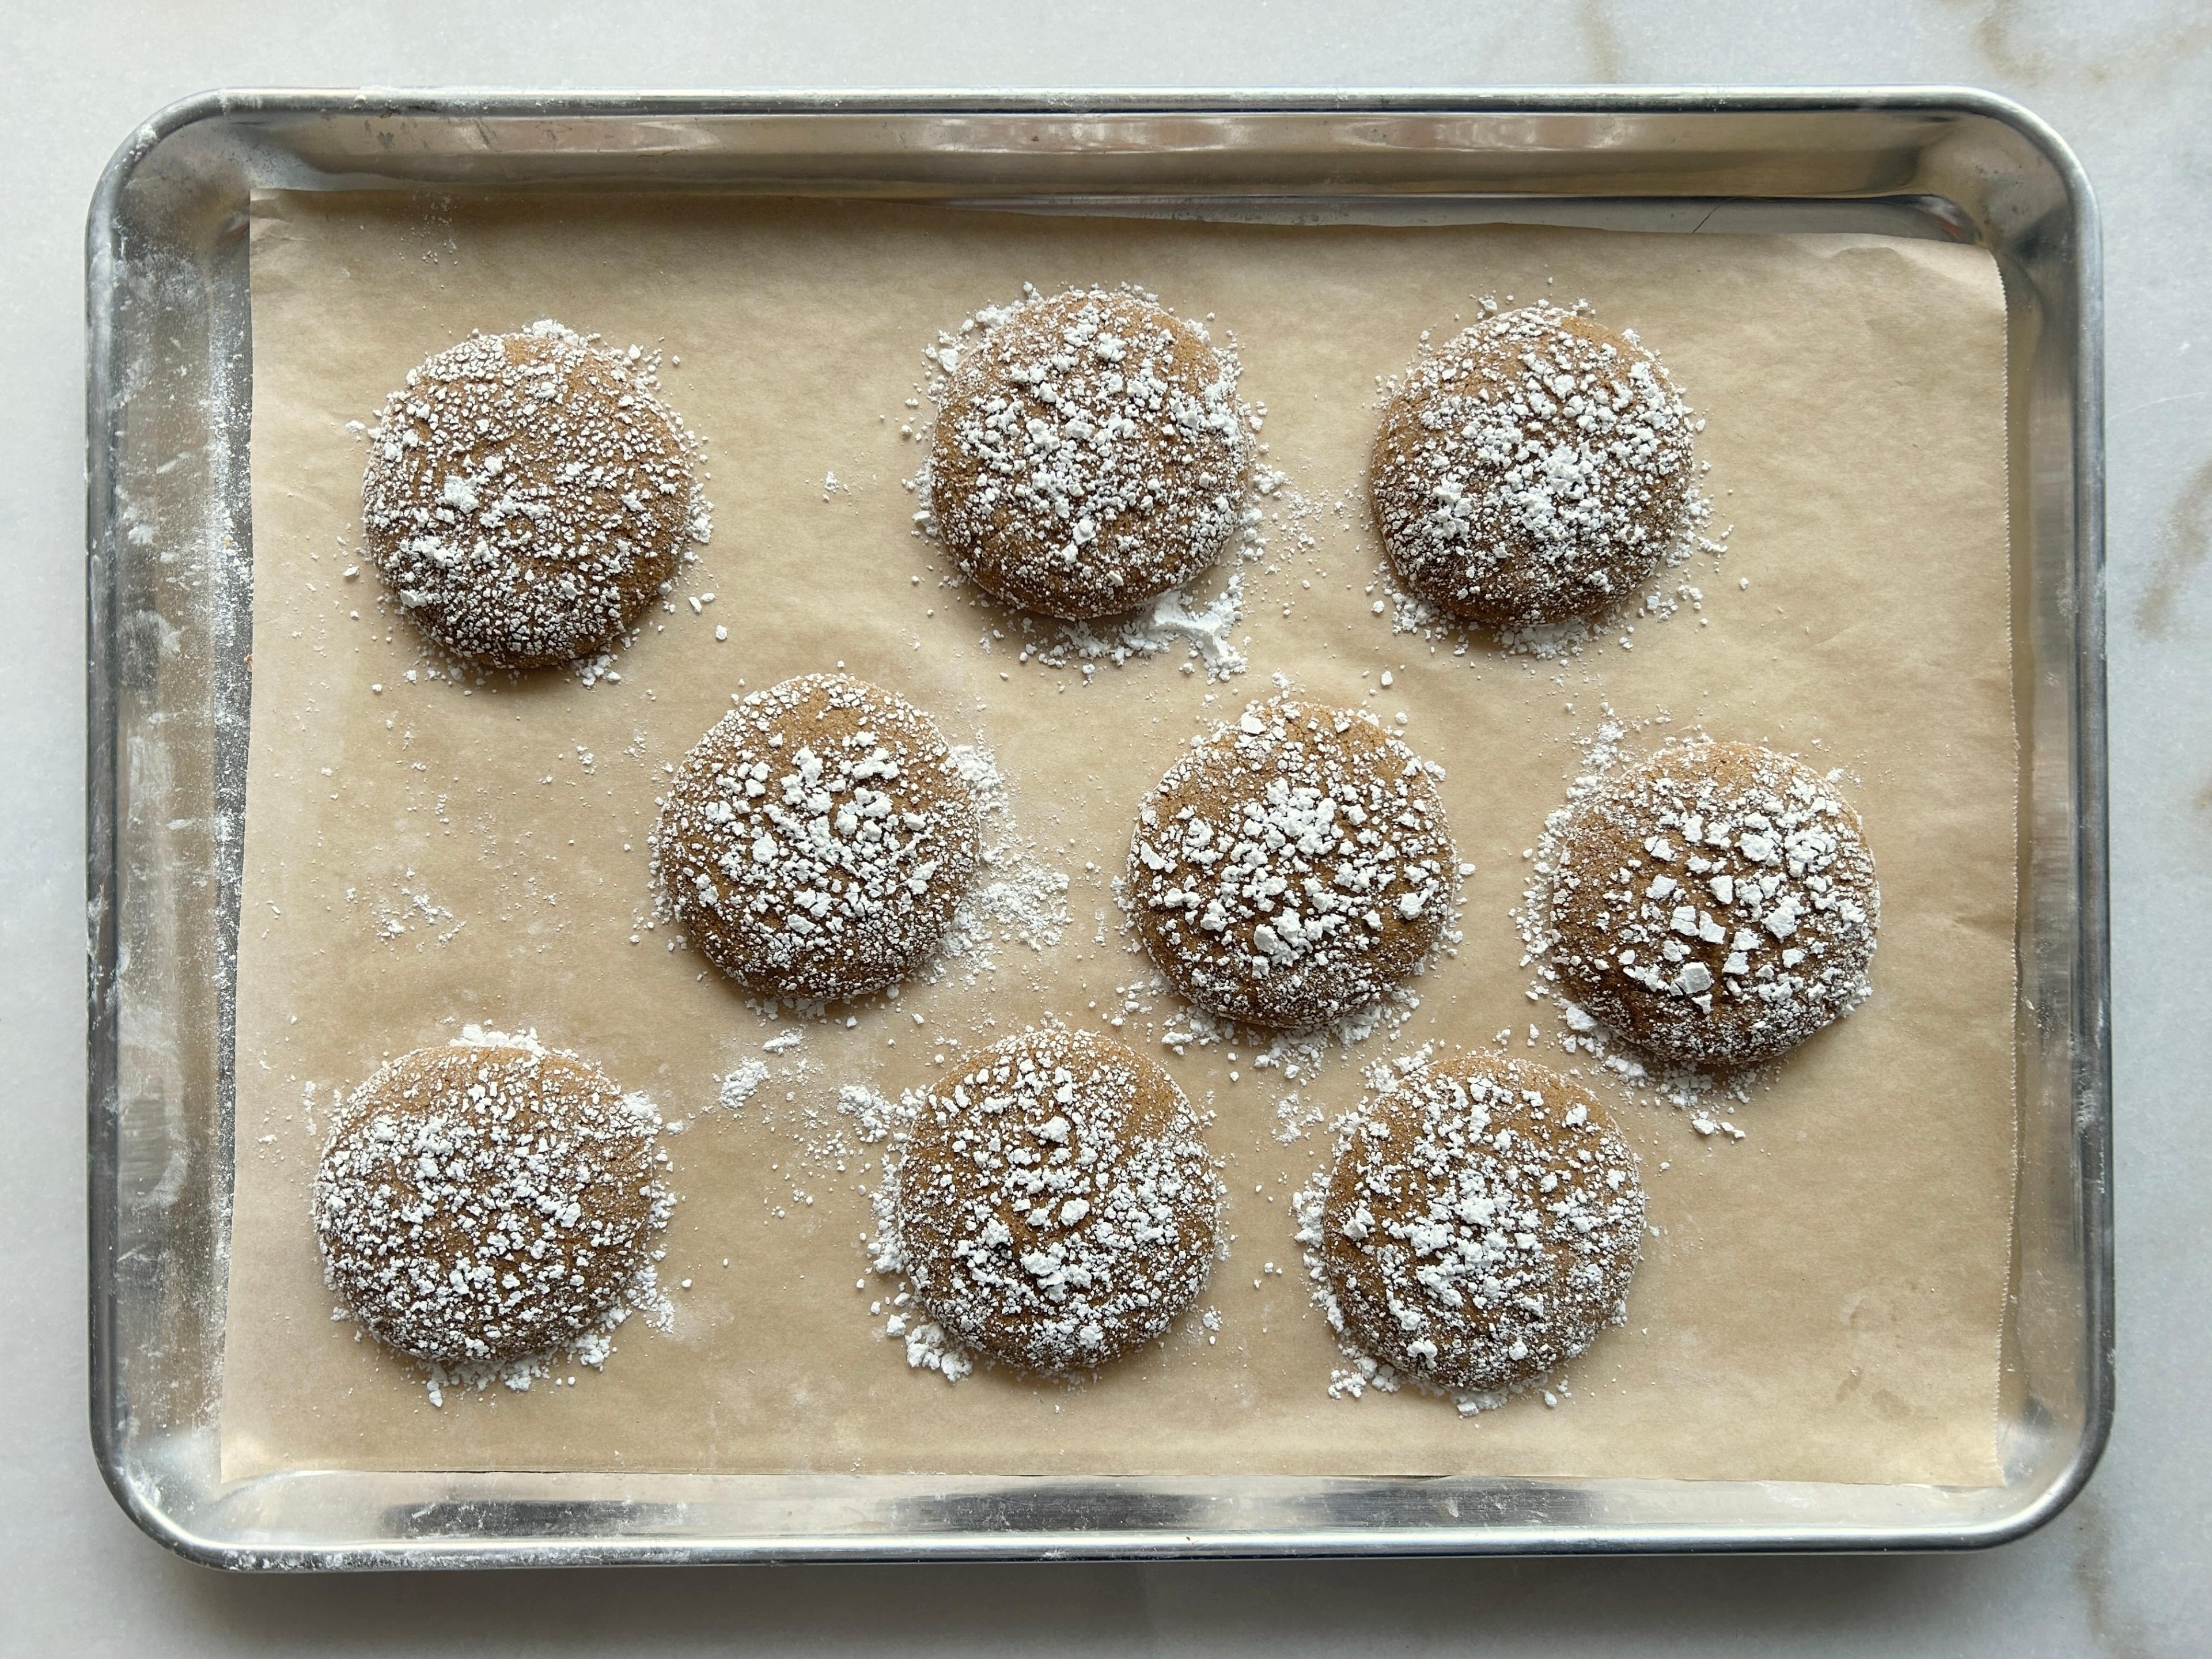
(167, 1483)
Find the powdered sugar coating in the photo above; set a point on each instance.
(816, 842)
(1090, 452)
(1481, 1224)
(1715, 903)
(1534, 468)
(1055, 1206)
(488, 1199)
(1292, 867)
(527, 494)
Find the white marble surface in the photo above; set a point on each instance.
(2127, 1570)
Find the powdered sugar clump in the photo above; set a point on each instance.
(740, 1086)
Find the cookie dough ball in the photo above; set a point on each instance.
(1292, 867)
(817, 840)
(1090, 452)
(1055, 1206)
(1481, 1224)
(527, 495)
(1714, 903)
(1535, 469)
(489, 1200)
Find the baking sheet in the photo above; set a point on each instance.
(1821, 1301)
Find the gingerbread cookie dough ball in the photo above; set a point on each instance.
(1090, 452)
(489, 1200)
(1714, 903)
(817, 840)
(1055, 1206)
(527, 495)
(1535, 468)
(1292, 867)
(1481, 1224)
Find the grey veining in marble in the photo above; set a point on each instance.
(2127, 1571)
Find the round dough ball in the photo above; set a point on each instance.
(488, 1200)
(1055, 1206)
(1715, 903)
(816, 842)
(1292, 867)
(527, 495)
(1090, 452)
(1481, 1224)
(1535, 468)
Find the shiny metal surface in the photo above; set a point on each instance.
(170, 565)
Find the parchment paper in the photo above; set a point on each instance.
(1820, 1301)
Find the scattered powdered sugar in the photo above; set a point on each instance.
(1301, 1057)
(827, 1133)
(929, 1346)
(1411, 614)
(1705, 1096)
(875, 1116)
(1360, 1371)
(408, 908)
(1296, 1116)
(646, 1300)
(1207, 629)
(1015, 899)
(1168, 622)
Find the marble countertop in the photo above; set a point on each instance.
(2127, 1570)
